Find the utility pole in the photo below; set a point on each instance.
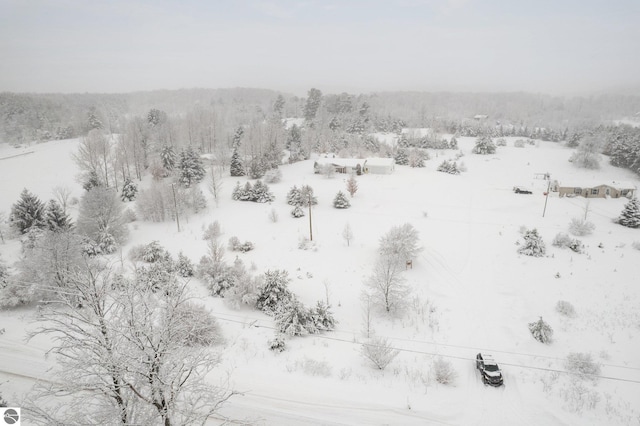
(310, 228)
(175, 204)
(547, 196)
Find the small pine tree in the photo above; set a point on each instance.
(322, 317)
(450, 167)
(340, 201)
(402, 158)
(55, 218)
(129, 190)
(236, 168)
(293, 319)
(274, 291)
(352, 185)
(297, 212)
(28, 211)
(168, 157)
(453, 143)
(184, 266)
(533, 244)
(293, 197)
(306, 196)
(93, 181)
(260, 193)
(630, 216)
(541, 331)
(484, 146)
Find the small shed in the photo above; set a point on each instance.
(380, 166)
(612, 189)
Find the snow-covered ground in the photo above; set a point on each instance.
(472, 292)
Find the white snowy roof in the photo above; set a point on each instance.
(416, 132)
(593, 183)
(345, 162)
(380, 161)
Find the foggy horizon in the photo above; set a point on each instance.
(69, 46)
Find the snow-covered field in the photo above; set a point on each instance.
(471, 292)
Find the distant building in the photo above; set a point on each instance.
(598, 190)
(480, 117)
(380, 166)
(355, 165)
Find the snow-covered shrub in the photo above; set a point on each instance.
(541, 331)
(199, 327)
(630, 216)
(313, 367)
(212, 231)
(184, 266)
(217, 275)
(340, 201)
(278, 343)
(417, 157)
(302, 196)
(297, 212)
(563, 240)
(129, 190)
(533, 244)
(450, 167)
(565, 308)
(293, 319)
(258, 193)
(519, 143)
(274, 291)
(322, 317)
(273, 215)
(581, 227)
(379, 351)
(273, 176)
(154, 252)
(157, 276)
(245, 288)
(401, 158)
(501, 142)
(484, 146)
(582, 365)
(236, 245)
(443, 372)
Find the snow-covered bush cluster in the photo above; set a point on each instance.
(583, 365)
(258, 192)
(443, 372)
(581, 227)
(563, 240)
(236, 245)
(212, 231)
(273, 176)
(302, 196)
(379, 352)
(341, 201)
(450, 167)
(565, 308)
(484, 146)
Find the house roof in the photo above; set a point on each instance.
(592, 184)
(345, 162)
(380, 161)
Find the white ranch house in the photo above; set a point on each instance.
(358, 166)
(614, 189)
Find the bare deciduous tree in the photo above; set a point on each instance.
(387, 285)
(347, 233)
(62, 195)
(379, 351)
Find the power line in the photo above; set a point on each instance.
(320, 336)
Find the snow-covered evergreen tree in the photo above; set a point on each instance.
(55, 218)
(274, 291)
(453, 143)
(191, 168)
(307, 197)
(402, 158)
(93, 181)
(484, 145)
(630, 216)
(297, 212)
(322, 317)
(293, 196)
(168, 157)
(450, 167)
(293, 319)
(27, 212)
(260, 193)
(236, 168)
(541, 331)
(184, 267)
(129, 190)
(417, 158)
(257, 168)
(352, 185)
(340, 201)
(533, 244)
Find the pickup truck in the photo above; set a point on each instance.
(489, 370)
(521, 190)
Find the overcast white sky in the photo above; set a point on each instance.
(549, 46)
